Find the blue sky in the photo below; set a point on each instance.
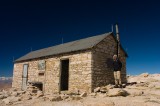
(39, 24)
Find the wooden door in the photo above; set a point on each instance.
(25, 77)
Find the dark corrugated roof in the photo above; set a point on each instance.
(81, 44)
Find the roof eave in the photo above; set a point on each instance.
(18, 61)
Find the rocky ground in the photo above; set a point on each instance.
(141, 90)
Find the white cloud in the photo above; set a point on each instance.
(5, 78)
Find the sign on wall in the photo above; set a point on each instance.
(41, 65)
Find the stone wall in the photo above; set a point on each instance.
(79, 72)
(102, 72)
(17, 75)
(33, 73)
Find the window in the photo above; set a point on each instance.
(41, 65)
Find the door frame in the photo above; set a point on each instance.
(60, 73)
(23, 75)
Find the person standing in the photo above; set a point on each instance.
(117, 65)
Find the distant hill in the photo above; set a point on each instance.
(5, 83)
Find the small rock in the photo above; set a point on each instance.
(76, 97)
(151, 86)
(103, 90)
(64, 96)
(6, 101)
(117, 92)
(1, 93)
(6, 95)
(142, 84)
(11, 99)
(93, 94)
(15, 99)
(26, 97)
(2, 97)
(12, 90)
(97, 89)
(84, 94)
(39, 94)
(21, 92)
(55, 98)
(144, 75)
(14, 94)
(123, 85)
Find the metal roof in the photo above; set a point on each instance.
(81, 44)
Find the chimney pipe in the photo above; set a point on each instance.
(118, 40)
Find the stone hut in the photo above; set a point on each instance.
(78, 65)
